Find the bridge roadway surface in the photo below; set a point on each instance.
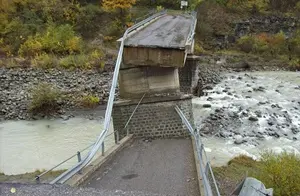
(169, 31)
(164, 167)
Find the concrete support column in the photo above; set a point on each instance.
(134, 82)
(188, 75)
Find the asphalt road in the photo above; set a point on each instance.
(159, 167)
(168, 32)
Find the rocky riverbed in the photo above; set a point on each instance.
(16, 84)
(248, 108)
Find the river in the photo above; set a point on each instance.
(248, 113)
(26, 146)
(272, 98)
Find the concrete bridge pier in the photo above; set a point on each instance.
(188, 75)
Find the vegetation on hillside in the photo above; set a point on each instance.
(278, 171)
(52, 33)
(216, 20)
(75, 34)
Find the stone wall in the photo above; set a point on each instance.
(153, 118)
(188, 75)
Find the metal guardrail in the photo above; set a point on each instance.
(204, 164)
(192, 29)
(78, 154)
(99, 142)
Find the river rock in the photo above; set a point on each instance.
(253, 118)
(207, 105)
(295, 130)
(16, 84)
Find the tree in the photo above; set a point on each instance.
(119, 6)
(113, 5)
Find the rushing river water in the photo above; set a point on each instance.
(272, 98)
(248, 113)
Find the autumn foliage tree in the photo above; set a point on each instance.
(119, 6)
(112, 5)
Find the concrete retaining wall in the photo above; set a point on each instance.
(153, 118)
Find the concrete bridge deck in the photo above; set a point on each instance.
(164, 167)
(169, 31)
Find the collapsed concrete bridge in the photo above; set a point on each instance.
(153, 119)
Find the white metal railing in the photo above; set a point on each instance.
(192, 29)
(204, 164)
(99, 142)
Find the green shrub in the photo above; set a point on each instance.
(294, 43)
(116, 28)
(56, 39)
(246, 44)
(83, 61)
(282, 5)
(198, 49)
(13, 35)
(253, 6)
(86, 18)
(264, 44)
(44, 99)
(44, 61)
(88, 101)
(213, 19)
(281, 172)
(298, 6)
(75, 61)
(20, 19)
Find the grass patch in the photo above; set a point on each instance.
(88, 101)
(30, 177)
(278, 171)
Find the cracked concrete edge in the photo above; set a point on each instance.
(88, 171)
(197, 162)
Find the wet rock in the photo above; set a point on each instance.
(276, 106)
(239, 140)
(207, 105)
(271, 121)
(258, 114)
(260, 88)
(261, 103)
(213, 117)
(244, 113)
(64, 117)
(253, 118)
(295, 130)
(208, 87)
